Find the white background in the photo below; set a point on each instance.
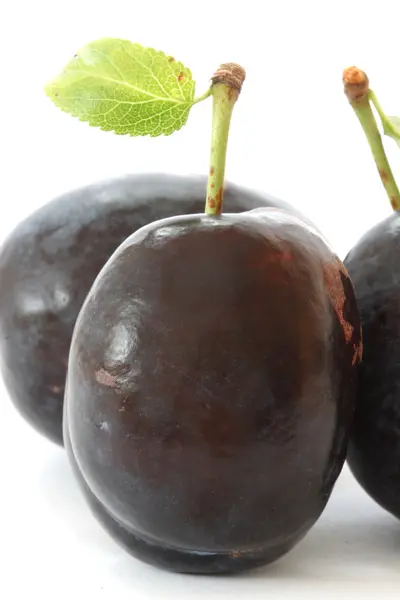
(293, 135)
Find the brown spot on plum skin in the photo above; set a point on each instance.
(181, 76)
(212, 170)
(105, 378)
(333, 278)
(171, 59)
(336, 292)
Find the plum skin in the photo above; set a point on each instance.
(374, 447)
(49, 262)
(207, 418)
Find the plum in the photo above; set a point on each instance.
(211, 388)
(374, 448)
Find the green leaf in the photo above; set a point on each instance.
(391, 128)
(123, 87)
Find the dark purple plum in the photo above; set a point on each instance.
(211, 388)
(374, 449)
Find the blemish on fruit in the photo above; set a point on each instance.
(181, 76)
(333, 278)
(105, 378)
(212, 171)
(171, 59)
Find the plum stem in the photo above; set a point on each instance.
(226, 86)
(356, 87)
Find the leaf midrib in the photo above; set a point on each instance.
(129, 85)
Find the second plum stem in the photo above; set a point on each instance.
(366, 117)
(356, 88)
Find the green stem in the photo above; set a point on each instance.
(224, 98)
(366, 117)
(356, 86)
(203, 96)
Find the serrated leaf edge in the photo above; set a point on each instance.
(111, 130)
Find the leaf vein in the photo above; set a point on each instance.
(127, 84)
(148, 69)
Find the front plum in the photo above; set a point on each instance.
(211, 389)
